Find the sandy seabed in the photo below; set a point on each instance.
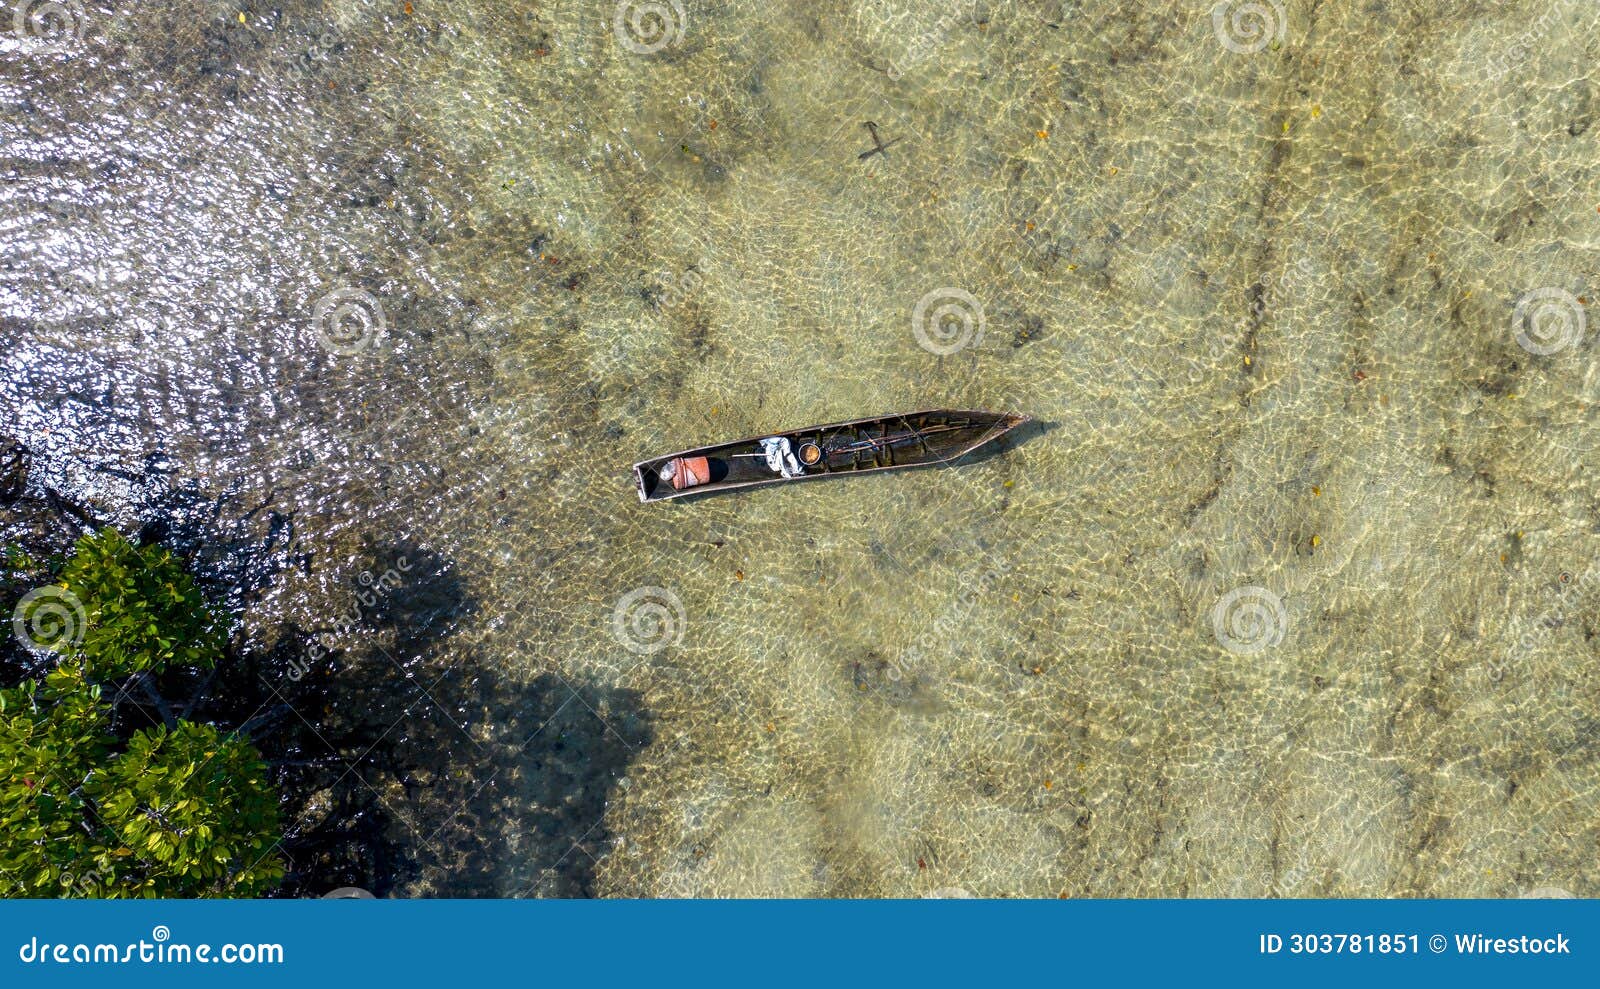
(1294, 593)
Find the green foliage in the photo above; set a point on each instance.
(193, 811)
(173, 811)
(140, 609)
(51, 736)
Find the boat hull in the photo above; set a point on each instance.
(929, 438)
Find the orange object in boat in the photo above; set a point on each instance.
(686, 472)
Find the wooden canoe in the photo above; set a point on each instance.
(860, 446)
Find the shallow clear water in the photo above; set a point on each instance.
(1263, 289)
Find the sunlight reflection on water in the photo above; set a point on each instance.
(522, 196)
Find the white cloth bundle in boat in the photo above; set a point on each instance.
(780, 456)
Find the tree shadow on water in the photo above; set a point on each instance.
(408, 770)
(528, 819)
